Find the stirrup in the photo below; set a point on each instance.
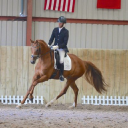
(61, 78)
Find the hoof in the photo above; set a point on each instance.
(18, 106)
(47, 105)
(71, 107)
(51, 102)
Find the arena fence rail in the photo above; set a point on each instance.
(17, 100)
(106, 100)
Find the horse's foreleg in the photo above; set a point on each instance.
(41, 79)
(31, 89)
(61, 93)
(23, 101)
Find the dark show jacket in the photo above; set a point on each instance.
(61, 39)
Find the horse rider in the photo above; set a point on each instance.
(61, 35)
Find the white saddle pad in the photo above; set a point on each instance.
(67, 63)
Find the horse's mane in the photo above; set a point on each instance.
(43, 42)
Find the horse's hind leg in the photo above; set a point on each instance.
(61, 93)
(75, 89)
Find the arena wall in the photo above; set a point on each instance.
(16, 73)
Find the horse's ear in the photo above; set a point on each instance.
(31, 41)
(36, 41)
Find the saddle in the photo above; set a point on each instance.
(67, 61)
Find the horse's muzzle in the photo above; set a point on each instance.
(32, 62)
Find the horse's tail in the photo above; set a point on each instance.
(94, 76)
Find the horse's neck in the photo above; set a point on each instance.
(47, 57)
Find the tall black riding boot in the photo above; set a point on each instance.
(61, 72)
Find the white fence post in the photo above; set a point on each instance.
(2, 99)
(91, 99)
(13, 99)
(18, 100)
(21, 98)
(6, 100)
(126, 100)
(88, 99)
(107, 100)
(34, 100)
(111, 100)
(118, 100)
(41, 99)
(95, 100)
(10, 100)
(83, 100)
(37, 99)
(122, 100)
(103, 98)
(115, 100)
(99, 100)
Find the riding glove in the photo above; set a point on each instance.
(54, 47)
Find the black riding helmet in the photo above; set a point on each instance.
(61, 19)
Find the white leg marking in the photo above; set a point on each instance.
(51, 102)
(19, 105)
(73, 106)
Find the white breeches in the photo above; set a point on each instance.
(62, 54)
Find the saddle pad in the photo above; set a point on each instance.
(67, 63)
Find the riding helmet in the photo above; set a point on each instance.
(61, 19)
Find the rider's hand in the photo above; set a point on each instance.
(49, 46)
(54, 47)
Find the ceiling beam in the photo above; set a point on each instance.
(44, 19)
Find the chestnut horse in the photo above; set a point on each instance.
(45, 68)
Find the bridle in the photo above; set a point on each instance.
(39, 55)
(38, 50)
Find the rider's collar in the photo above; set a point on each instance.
(60, 29)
